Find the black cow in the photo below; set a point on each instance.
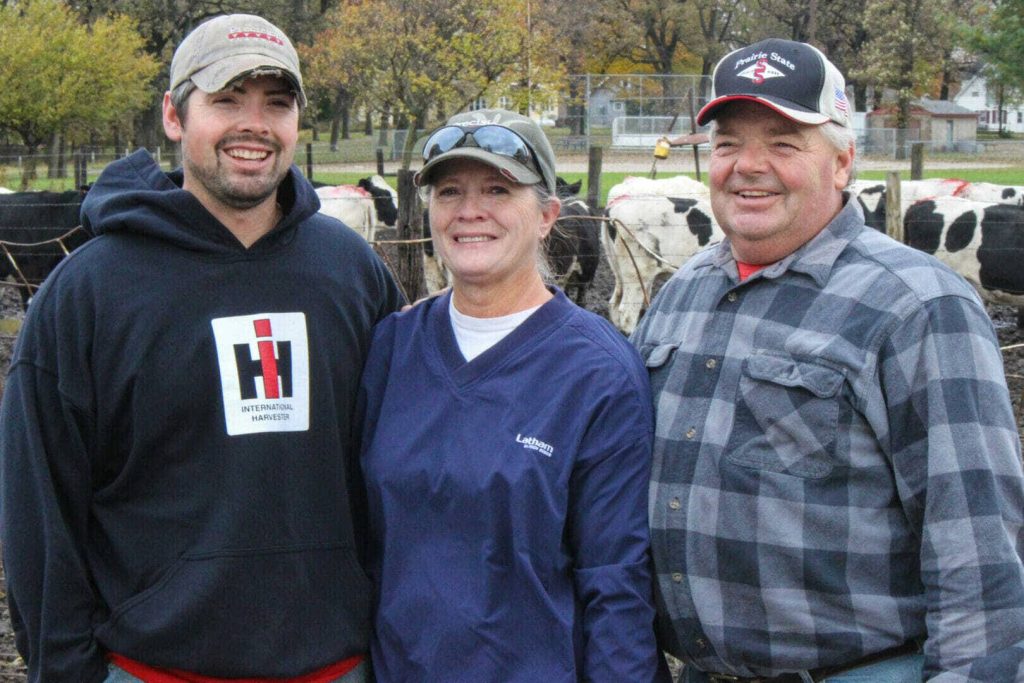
(574, 245)
(30, 225)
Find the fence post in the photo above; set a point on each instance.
(409, 269)
(916, 161)
(81, 176)
(380, 161)
(893, 207)
(594, 177)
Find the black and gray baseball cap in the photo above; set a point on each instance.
(523, 126)
(225, 48)
(795, 79)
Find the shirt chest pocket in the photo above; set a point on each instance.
(787, 415)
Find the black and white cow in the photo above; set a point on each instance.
(871, 195)
(653, 226)
(364, 207)
(983, 242)
(30, 225)
(573, 246)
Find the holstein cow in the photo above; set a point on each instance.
(871, 195)
(663, 223)
(30, 225)
(572, 248)
(364, 207)
(981, 241)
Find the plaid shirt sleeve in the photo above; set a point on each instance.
(955, 454)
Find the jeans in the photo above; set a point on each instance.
(360, 674)
(905, 669)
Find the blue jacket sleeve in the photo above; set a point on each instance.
(609, 537)
(44, 498)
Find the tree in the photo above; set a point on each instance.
(904, 51)
(998, 39)
(436, 54)
(63, 76)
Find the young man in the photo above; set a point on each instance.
(180, 491)
(837, 486)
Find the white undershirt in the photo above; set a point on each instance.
(476, 335)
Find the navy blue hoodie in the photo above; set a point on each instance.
(175, 440)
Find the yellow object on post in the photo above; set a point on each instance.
(661, 148)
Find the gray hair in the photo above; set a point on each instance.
(840, 138)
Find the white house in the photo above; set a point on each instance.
(974, 95)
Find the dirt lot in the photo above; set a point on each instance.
(11, 667)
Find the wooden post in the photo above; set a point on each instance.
(81, 176)
(893, 207)
(409, 257)
(380, 161)
(309, 161)
(916, 160)
(693, 130)
(594, 178)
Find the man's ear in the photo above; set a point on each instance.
(172, 122)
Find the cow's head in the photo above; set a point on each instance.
(385, 200)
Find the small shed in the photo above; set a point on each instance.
(944, 125)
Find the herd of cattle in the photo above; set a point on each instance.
(647, 230)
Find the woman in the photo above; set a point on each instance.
(506, 445)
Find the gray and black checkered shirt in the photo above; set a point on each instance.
(837, 467)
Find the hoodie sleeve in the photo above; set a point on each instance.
(44, 500)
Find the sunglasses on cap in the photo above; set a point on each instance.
(488, 137)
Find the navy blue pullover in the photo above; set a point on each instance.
(175, 440)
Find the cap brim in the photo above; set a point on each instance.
(219, 75)
(510, 168)
(787, 109)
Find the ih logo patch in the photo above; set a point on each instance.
(264, 372)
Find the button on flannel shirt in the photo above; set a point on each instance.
(836, 464)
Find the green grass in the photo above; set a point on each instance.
(1002, 176)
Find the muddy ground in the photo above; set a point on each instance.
(12, 668)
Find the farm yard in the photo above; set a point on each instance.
(596, 299)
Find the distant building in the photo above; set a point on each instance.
(975, 95)
(943, 125)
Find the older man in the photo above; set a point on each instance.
(180, 483)
(837, 490)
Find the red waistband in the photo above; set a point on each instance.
(150, 674)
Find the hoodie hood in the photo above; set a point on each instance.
(135, 195)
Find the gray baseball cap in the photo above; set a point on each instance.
(221, 50)
(524, 127)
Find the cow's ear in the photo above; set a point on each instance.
(172, 122)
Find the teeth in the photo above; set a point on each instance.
(247, 154)
(481, 238)
(756, 194)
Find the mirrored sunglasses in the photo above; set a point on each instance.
(488, 137)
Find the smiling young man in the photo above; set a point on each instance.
(181, 499)
(836, 487)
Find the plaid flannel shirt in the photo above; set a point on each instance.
(836, 464)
